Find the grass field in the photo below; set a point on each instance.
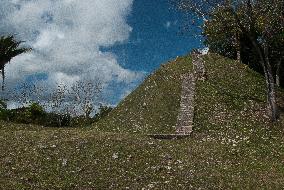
(234, 146)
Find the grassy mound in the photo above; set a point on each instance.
(233, 145)
(233, 97)
(153, 106)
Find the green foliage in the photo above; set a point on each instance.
(220, 33)
(265, 26)
(103, 112)
(3, 104)
(9, 48)
(82, 121)
(35, 114)
(56, 120)
(5, 114)
(23, 116)
(32, 114)
(36, 110)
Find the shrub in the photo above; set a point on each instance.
(3, 104)
(81, 121)
(57, 120)
(103, 112)
(34, 114)
(5, 114)
(21, 115)
(36, 110)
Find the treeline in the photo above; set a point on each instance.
(65, 106)
(265, 25)
(37, 115)
(251, 31)
(77, 105)
(73, 105)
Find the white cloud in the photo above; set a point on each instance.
(168, 24)
(66, 36)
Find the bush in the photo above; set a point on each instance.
(34, 114)
(36, 110)
(57, 120)
(3, 104)
(103, 112)
(81, 121)
(5, 114)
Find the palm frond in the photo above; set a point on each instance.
(9, 48)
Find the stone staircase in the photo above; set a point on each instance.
(185, 120)
(186, 113)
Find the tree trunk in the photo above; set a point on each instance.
(3, 77)
(238, 46)
(271, 98)
(238, 55)
(271, 92)
(272, 108)
(2, 68)
(277, 80)
(264, 60)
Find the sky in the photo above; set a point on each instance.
(118, 42)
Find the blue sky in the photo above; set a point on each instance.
(118, 42)
(155, 38)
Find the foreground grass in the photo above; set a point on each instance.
(233, 145)
(78, 159)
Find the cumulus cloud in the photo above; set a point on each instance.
(66, 36)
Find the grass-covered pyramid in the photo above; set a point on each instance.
(153, 107)
(233, 96)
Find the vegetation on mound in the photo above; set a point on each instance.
(233, 93)
(249, 31)
(153, 106)
(232, 97)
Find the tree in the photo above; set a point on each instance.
(9, 48)
(222, 35)
(259, 20)
(83, 94)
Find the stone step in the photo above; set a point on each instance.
(186, 112)
(185, 117)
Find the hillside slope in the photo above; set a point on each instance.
(232, 95)
(153, 106)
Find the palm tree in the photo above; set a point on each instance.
(9, 48)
